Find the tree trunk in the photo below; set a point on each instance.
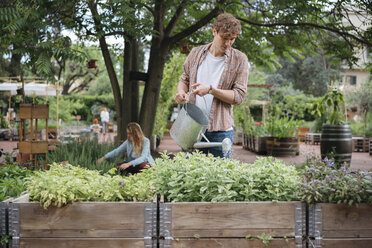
(127, 96)
(134, 83)
(109, 66)
(15, 63)
(151, 95)
(130, 87)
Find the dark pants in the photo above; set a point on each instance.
(217, 136)
(136, 169)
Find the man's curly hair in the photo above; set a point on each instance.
(227, 24)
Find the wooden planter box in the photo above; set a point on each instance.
(200, 224)
(340, 225)
(282, 147)
(245, 141)
(238, 138)
(83, 224)
(260, 145)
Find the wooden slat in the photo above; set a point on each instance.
(40, 111)
(33, 147)
(83, 219)
(230, 243)
(233, 219)
(80, 242)
(344, 221)
(347, 243)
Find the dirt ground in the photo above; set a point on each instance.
(359, 160)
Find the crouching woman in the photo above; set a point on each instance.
(137, 147)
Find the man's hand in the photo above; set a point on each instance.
(125, 165)
(200, 89)
(180, 97)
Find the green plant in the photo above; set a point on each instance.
(12, 180)
(324, 182)
(196, 177)
(265, 238)
(283, 127)
(84, 153)
(64, 183)
(331, 106)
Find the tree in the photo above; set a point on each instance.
(76, 75)
(310, 75)
(362, 97)
(271, 29)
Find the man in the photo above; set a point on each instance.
(219, 74)
(105, 117)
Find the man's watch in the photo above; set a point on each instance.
(210, 89)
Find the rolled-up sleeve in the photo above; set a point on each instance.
(241, 80)
(122, 148)
(185, 77)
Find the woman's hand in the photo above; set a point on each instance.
(101, 160)
(125, 165)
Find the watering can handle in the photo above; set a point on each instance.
(191, 91)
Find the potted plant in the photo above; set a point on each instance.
(336, 138)
(283, 140)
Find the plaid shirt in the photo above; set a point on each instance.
(234, 77)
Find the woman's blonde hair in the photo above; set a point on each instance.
(137, 136)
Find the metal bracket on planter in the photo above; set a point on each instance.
(14, 220)
(315, 224)
(300, 224)
(14, 243)
(165, 225)
(150, 225)
(3, 219)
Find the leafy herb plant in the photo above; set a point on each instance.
(323, 182)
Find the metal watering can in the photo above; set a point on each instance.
(189, 127)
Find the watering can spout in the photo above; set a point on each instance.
(226, 145)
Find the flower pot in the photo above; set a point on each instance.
(336, 140)
(282, 147)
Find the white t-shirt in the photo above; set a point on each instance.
(209, 73)
(105, 117)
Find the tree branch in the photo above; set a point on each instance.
(149, 9)
(176, 17)
(304, 24)
(190, 30)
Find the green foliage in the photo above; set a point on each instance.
(311, 74)
(265, 238)
(66, 109)
(84, 153)
(283, 127)
(64, 183)
(87, 102)
(362, 97)
(324, 183)
(3, 123)
(331, 106)
(196, 177)
(11, 180)
(172, 73)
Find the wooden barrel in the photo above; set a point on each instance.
(282, 147)
(336, 140)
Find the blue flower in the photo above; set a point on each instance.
(312, 168)
(325, 160)
(332, 164)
